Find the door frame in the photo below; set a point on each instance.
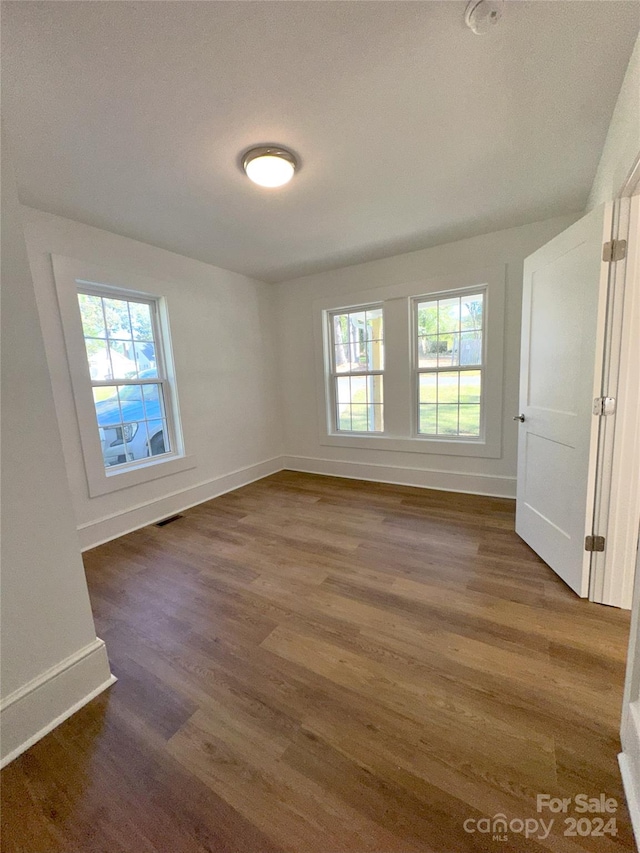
(617, 505)
(629, 513)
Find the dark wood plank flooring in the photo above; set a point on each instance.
(318, 664)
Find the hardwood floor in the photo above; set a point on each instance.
(316, 664)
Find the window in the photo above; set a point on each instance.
(357, 366)
(450, 360)
(416, 366)
(128, 376)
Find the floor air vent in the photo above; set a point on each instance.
(168, 520)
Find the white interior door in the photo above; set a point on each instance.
(563, 318)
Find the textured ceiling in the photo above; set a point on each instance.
(411, 130)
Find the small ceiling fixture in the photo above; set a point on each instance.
(481, 15)
(269, 165)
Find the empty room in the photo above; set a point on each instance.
(320, 447)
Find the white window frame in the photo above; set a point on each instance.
(72, 277)
(333, 414)
(417, 370)
(400, 386)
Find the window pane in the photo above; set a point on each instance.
(375, 390)
(428, 384)
(470, 386)
(358, 389)
(376, 418)
(117, 315)
(470, 420)
(341, 358)
(358, 341)
(374, 324)
(105, 399)
(92, 316)
(359, 403)
(158, 437)
(145, 354)
(448, 315)
(428, 421)
(428, 351)
(448, 387)
(153, 402)
(447, 419)
(359, 419)
(131, 403)
(344, 418)
(343, 390)
(427, 317)
(447, 348)
(472, 311)
(123, 361)
(449, 335)
(471, 348)
(141, 325)
(98, 357)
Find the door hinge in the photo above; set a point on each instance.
(614, 250)
(594, 543)
(604, 406)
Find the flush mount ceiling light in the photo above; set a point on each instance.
(481, 15)
(269, 166)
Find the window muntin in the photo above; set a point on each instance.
(357, 369)
(449, 333)
(128, 376)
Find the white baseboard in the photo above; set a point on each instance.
(445, 481)
(112, 526)
(36, 708)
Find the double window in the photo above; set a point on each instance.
(412, 372)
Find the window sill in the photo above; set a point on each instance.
(143, 473)
(431, 446)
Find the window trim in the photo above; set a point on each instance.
(332, 414)
(72, 276)
(416, 370)
(400, 423)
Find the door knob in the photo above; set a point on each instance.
(519, 418)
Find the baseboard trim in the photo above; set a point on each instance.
(491, 485)
(118, 524)
(36, 708)
(632, 794)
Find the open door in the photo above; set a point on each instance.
(563, 322)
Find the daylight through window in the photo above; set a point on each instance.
(130, 389)
(357, 360)
(450, 361)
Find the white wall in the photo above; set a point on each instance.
(622, 145)
(223, 345)
(297, 361)
(51, 659)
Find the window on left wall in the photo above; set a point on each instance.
(122, 372)
(131, 389)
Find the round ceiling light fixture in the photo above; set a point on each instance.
(269, 165)
(481, 15)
